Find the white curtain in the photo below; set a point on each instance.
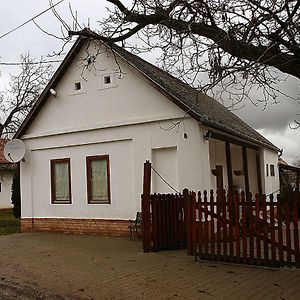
(99, 184)
(62, 191)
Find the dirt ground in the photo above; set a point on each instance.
(58, 266)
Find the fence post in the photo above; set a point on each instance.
(146, 225)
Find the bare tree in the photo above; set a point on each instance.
(24, 89)
(236, 43)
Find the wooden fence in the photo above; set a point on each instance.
(234, 228)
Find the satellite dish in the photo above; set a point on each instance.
(14, 151)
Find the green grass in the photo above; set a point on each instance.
(8, 223)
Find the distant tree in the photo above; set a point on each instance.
(23, 91)
(16, 196)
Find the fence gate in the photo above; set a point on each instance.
(234, 228)
(165, 228)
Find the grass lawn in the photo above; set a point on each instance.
(8, 223)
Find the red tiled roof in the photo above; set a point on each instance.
(4, 164)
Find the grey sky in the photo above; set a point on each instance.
(273, 122)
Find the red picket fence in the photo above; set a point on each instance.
(165, 228)
(234, 228)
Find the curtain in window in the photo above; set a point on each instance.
(99, 186)
(62, 191)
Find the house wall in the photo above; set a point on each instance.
(131, 122)
(5, 194)
(271, 183)
(128, 148)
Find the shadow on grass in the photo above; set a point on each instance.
(8, 223)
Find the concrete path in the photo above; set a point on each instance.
(91, 267)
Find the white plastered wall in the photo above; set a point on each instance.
(5, 194)
(271, 183)
(127, 121)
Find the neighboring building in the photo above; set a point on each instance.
(289, 176)
(7, 171)
(87, 139)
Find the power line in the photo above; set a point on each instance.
(21, 25)
(30, 63)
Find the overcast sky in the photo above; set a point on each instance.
(273, 122)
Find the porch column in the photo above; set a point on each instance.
(245, 168)
(229, 166)
(258, 171)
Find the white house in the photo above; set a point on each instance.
(7, 170)
(102, 115)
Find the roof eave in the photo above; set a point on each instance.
(52, 84)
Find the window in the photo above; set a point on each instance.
(98, 179)
(267, 170)
(60, 181)
(107, 79)
(77, 86)
(272, 170)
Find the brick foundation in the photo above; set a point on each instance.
(76, 226)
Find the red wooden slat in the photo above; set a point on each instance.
(212, 224)
(187, 217)
(224, 225)
(280, 235)
(200, 231)
(244, 228)
(288, 232)
(176, 221)
(265, 225)
(272, 225)
(219, 203)
(251, 228)
(161, 220)
(257, 229)
(296, 233)
(205, 226)
(237, 227)
(155, 222)
(231, 225)
(193, 216)
(165, 245)
(168, 223)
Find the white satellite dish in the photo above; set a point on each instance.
(14, 151)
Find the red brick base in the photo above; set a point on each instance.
(77, 226)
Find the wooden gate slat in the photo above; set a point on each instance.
(200, 231)
(272, 220)
(288, 232)
(296, 233)
(244, 228)
(258, 229)
(237, 227)
(265, 224)
(231, 225)
(280, 235)
(224, 225)
(251, 228)
(219, 195)
(205, 226)
(212, 225)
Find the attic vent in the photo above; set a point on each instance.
(77, 86)
(107, 79)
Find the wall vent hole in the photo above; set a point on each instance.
(107, 79)
(77, 86)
